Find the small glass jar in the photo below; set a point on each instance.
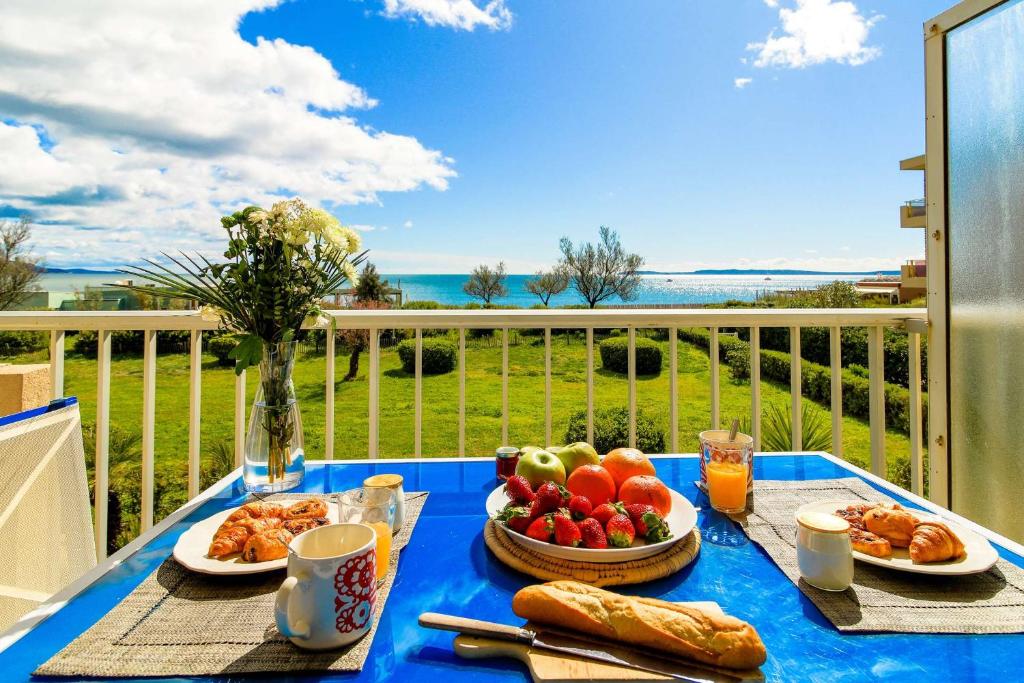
(394, 483)
(506, 459)
(823, 550)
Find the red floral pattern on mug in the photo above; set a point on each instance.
(357, 592)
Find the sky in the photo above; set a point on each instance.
(737, 133)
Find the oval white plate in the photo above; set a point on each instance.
(192, 546)
(981, 555)
(681, 520)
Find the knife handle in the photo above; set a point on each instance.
(475, 627)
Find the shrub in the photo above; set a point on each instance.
(15, 342)
(221, 345)
(611, 430)
(132, 341)
(615, 355)
(438, 356)
(421, 306)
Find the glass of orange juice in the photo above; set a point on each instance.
(374, 507)
(727, 469)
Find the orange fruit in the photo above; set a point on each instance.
(592, 481)
(623, 463)
(646, 490)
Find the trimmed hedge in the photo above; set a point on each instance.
(132, 341)
(438, 355)
(221, 345)
(615, 356)
(15, 342)
(611, 430)
(816, 380)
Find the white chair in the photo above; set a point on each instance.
(46, 533)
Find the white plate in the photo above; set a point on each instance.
(192, 546)
(681, 520)
(981, 555)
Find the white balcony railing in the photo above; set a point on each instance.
(913, 321)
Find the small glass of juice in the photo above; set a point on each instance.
(374, 507)
(727, 469)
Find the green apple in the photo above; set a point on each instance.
(539, 466)
(529, 449)
(577, 454)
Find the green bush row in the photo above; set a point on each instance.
(15, 342)
(816, 379)
(615, 355)
(438, 356)
(611, 430)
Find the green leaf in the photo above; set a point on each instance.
(248, 351)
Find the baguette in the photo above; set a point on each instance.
(675, 629)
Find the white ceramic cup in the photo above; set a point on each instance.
(328, 598)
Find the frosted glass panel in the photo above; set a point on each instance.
(985, 118)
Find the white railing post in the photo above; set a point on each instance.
(504, 386)
(673, 390)
(590, 385)
(547, 386)
(329, 394)
(56, 363)
(240, 419)
(373, 412)
(462, 391)
(194, 411)
(716, 419)
(102, 462)
(631, 379)
(755, 386)
(796, 389)
(836, 361)
(914, 414)
(148, 426)
(418, 399)
(876, 399)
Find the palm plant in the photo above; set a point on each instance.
(777, 429)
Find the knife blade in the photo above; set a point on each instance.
(573, 646)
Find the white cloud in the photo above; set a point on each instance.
(153, 119)
(868, 264)
(361, 227)
(459, 14)
(407, 224)
(742, 82)
(772, 3)
(818, 31)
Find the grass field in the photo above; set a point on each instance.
(440, 400)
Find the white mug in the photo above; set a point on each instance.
(328, 598)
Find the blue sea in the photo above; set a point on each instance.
(447, 288)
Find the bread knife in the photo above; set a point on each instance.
(572, 646)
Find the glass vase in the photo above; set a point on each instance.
(274, 456)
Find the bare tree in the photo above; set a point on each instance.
(487, 283)
(546, 284)
(18, 269)
(601, 271)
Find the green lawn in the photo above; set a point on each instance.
(440, 402)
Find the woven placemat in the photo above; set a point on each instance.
(180, 623)
(883, 599)
(549, 568)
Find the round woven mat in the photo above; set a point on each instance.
(595, 573)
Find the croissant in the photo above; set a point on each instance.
(869, 543)
(229, 540)
(257, 511)
(311, 507)
(894, 524)
(935, 542)
(267, 545)
(854, 514)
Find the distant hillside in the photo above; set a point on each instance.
(741, 271)
(76, 271)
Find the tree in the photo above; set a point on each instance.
(601, 271)
(18, 269)
(487, 283)
(838, 294)
(371, 293)
(546, 284)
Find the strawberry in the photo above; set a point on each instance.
(606, 511)
(541, 529)
(516, 517)
(592, 534)
(580, 507)
(647, 523)
(620, 531)
(551, 496)
(566, 531)
(518, 490)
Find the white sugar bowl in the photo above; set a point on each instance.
(823, 550)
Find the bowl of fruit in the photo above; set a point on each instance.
(569, 503)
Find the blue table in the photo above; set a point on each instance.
(447, 568)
